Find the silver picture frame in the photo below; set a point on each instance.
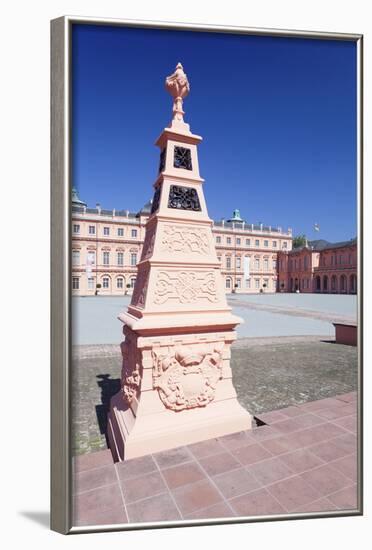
(61, 353)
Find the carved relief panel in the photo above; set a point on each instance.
(186, 377)
(185, 287)
(186, 239)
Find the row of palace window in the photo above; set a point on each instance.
(336, 259)
(297, 264)
(106, 231)
(91, 258)
(91, 283)
(256, 263)
(238, 242)
(248, 283)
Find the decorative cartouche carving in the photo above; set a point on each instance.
(185, 287)
(183, 198)
(130, 372)
(187, 377)
(178, 86)
(187, 239)
(140, 289)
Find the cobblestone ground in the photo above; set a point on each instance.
(268, 374)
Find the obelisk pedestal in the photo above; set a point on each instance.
(176, 377)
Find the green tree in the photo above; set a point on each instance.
(298, 241)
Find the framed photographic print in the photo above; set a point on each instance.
(206, 274)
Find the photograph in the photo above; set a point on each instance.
(214, 275)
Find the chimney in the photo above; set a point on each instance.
(98, 206)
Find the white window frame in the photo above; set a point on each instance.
(104, 279)
(120, 258)
(75, 257)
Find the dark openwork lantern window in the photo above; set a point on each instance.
(183, 198)
(182, 158)
(162, 160)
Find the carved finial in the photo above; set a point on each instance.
(178, 86)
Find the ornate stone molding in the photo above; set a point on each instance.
(186, 377)
(178, 238)
(185, 287)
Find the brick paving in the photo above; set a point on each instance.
(268, 373)
(303, 459)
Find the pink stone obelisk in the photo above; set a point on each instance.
(176, 377)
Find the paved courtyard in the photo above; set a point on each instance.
(301, 455)
(94, 319)
(282, 372)
(302, 460)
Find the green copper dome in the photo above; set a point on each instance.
(75, 198)
(236, 216)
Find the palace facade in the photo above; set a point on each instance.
(107, 244)
(319, 266)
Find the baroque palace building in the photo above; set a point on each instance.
(107, 244)
(319, 266)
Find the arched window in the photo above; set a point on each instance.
(105, 282)
(228, 283)
(132, 282)
(353, 284)
(334, 283)
(343, 284)
(325, 283)
(120, 283)
(317, 283)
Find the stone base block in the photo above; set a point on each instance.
(131, 437)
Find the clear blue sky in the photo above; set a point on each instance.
(278, 118)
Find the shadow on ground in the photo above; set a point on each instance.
(109, 387)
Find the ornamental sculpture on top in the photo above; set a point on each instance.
(178, 86)
(176, 381)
